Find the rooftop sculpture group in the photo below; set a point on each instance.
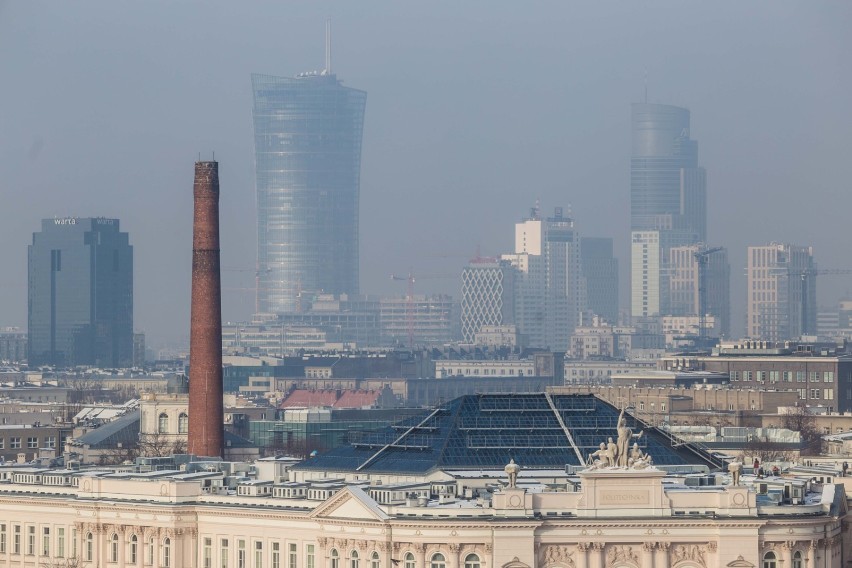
(619, 453)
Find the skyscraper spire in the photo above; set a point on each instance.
(328, 46)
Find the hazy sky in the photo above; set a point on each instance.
(474, 111)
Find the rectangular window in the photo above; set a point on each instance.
(241, 554)
(773, 376)
(803, 393)
(60, 542)
(291, 559)
(746, 375)
(2, 443)
(32, 442)
(207, 553)
(45, 541)
(735, 376)
(828, 394)
(258, 554)
(223, 553)
(16, 540)
(50, 442)
(2, 538)
(828, 377)
(15, 443)
(73, 543)
(814, 376)
(309, 557)
(788, 376)
(31, 540)
(800, 376)
(276, 555)
(815, 394)
(761, 376)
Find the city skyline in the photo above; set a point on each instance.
(445, 167)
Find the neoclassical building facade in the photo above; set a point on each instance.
(212, 517)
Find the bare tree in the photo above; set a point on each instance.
(767, 451)
(72, 562)
(803, 422)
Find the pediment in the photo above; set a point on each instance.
(351, 503)
(515, 563)
(740, 562)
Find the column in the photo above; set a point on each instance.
(453, 557)
(121, 530)
(421, 554)
(596, 560)
(648, 554)
(582, 555)
(787, 553)
(662, 557)
(810, 555)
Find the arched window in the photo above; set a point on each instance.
(438, 561)
(183, 423)
(798, 561)
(334, 559)
(113, 548)
(353, 559)
(163, 423)
(408, 561)
(770, 560)
(471, 561)
(90, 547)
(134, 549)
(167, 552)
(374, 560)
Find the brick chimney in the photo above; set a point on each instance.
(206, 415)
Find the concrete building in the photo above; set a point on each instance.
(80, 294)
(487, 295)
(781, 292)
(13, 345)
(685, 285)
(821, 376)
(549, 288)
(421, 320)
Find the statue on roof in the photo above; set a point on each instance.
(512, 470)
(625, 434)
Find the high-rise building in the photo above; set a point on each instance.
(600, 272)
(307, 138)
(488, 296)
(80, 292)
(668, 200)
(781, 287)
(549, 290)
(684, 282)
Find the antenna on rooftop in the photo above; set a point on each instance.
(328, 46)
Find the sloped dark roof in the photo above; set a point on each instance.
(124, 430)
(485, 431)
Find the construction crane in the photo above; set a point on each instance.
(806, 275)
(703, 257)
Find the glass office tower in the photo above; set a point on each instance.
(307, 138)
(668, 200)
(80, 291)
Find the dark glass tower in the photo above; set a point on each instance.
(80, 294)
(307, 139)
(668, 190)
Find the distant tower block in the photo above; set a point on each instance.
(206, 415)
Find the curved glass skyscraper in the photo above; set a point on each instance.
(307, 139)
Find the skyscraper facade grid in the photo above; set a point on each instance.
(307, 133)
(80, 294)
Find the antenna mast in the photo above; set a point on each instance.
(328, 46)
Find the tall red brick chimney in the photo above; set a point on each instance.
(206, 415)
